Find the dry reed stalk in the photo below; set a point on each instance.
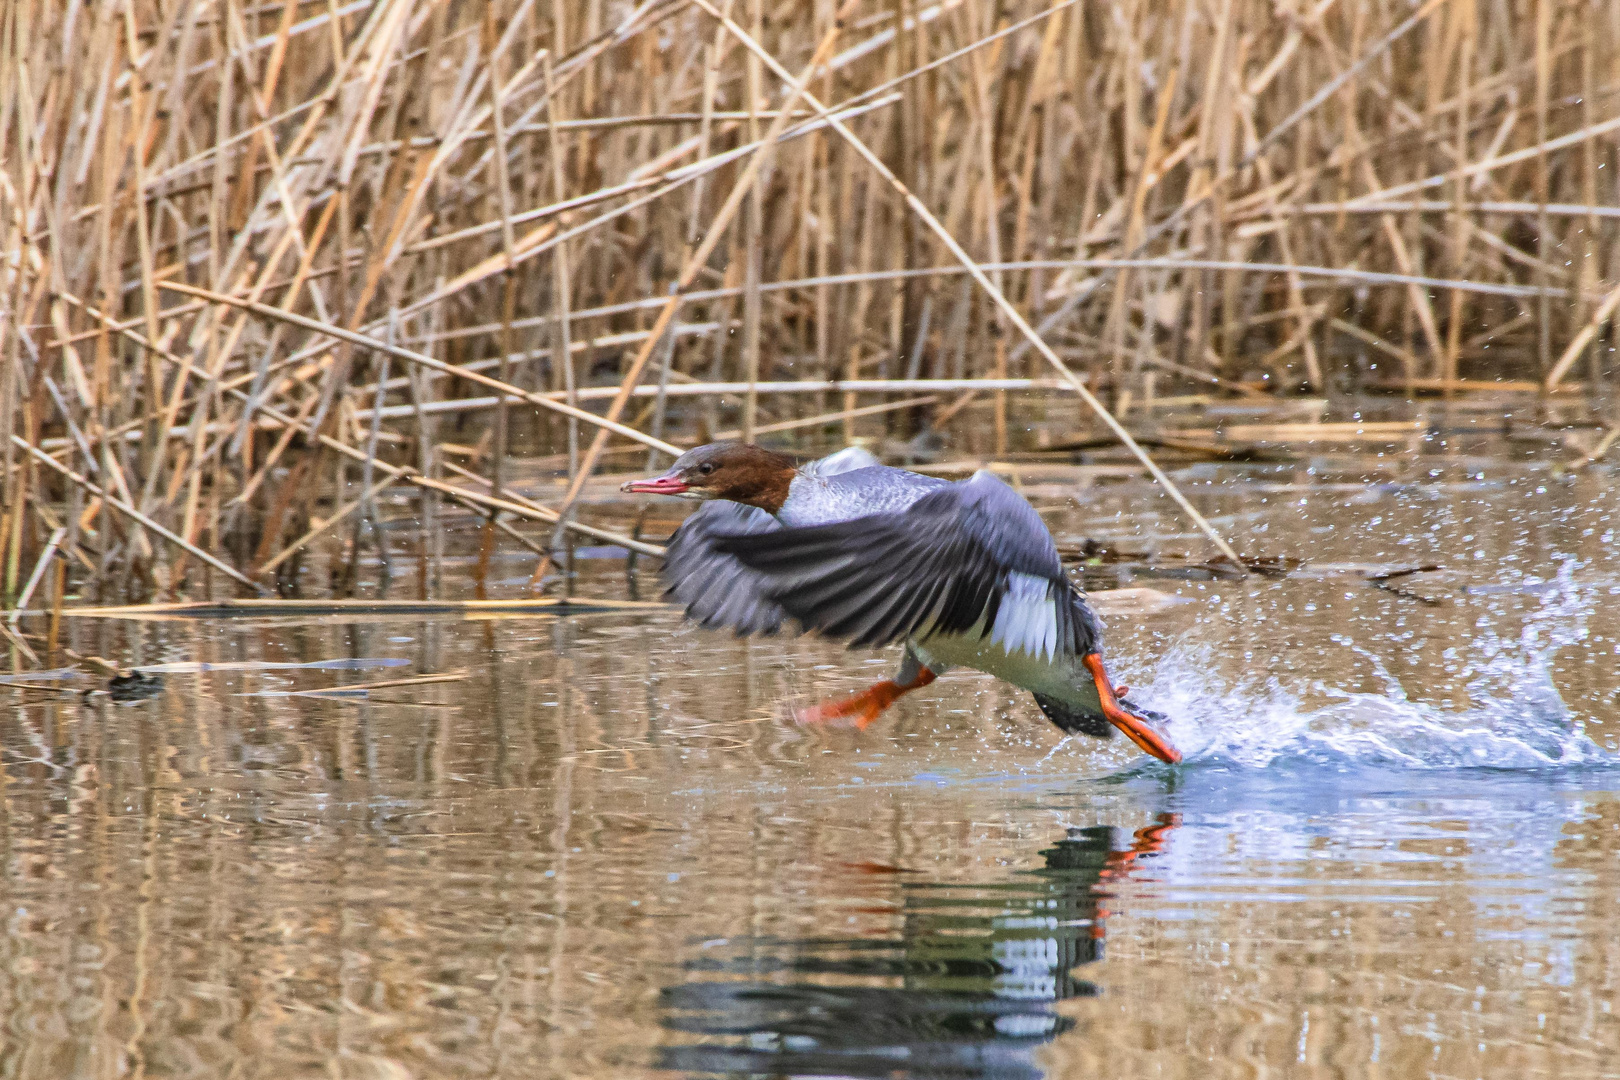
(562, 356)
(303, 609)
(828, 418)
(754, 224)
(40, 566)
(705, 389)
(351, 161)
(1582, 339)
(694, 263)
(996, 295)
(1344, 274)
(1543, 29)
(1465, 14)
(497, 112)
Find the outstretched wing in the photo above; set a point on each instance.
(973, 557)
(716, 589)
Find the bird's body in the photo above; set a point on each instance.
(819, 498)
(964, 574)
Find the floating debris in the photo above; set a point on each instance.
(602, 551)
(1362, 571)
(23, 678)
(134, 687)
(192, 667)
(469, 609)
(335, 692)
(362, 691)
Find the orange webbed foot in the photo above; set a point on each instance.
(865, 706)
(1135, 728)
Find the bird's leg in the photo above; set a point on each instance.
(1134, 727)
(869, 704)
(865, 706)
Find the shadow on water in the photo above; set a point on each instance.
(965, 989)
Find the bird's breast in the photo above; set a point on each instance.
(1058, 677)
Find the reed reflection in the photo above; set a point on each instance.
(965, 990)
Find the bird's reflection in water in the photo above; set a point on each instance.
(965, 990)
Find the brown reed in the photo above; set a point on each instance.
(254, 259)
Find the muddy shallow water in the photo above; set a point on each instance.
(1394, 849)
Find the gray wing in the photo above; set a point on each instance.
(716, 589)
(970, 557)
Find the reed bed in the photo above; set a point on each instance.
(263, 262)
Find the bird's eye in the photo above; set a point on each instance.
(706, 468)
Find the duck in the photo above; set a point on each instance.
(960, 573)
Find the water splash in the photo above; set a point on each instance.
(1517, 721)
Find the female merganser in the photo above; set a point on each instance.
(963, 573)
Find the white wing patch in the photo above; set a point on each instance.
(1027, 618)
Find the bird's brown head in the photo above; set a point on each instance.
(739, 472)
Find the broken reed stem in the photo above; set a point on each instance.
(40, 567)
(544, 514)
(356, 338)
(1582, 339)
(129, 511)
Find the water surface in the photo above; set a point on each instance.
(606, 851)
